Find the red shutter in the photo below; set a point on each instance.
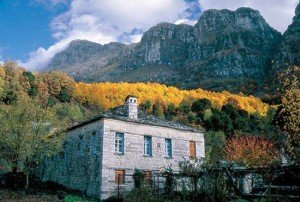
(120, 176)
(192, 149)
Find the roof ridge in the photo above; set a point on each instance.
(119, 113)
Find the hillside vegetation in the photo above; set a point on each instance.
(109, 95)
(75, 102)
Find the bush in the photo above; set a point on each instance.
(144, 194)
(138, 178)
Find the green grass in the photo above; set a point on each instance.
(72, 198)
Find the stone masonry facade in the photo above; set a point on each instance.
(79, 165)
(134, 158)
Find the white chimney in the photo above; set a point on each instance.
(131, 106)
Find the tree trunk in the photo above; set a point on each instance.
(27, 181)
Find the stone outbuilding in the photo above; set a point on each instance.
(102, 153)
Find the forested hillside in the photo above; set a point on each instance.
(75, 102)
(52, 90)
(108, 95)
(66, 97)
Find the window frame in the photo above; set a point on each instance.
(118, 144)
(147, 138)
(168, 148)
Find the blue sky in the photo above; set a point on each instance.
(32, 31)
(24, 27)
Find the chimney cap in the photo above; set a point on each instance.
(128, 96)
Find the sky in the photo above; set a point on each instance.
(33, 31)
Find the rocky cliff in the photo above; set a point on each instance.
(288, 50)
(84, 59)
(230, 50)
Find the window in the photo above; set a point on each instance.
(147, 146)
(120, 176)
(192, 149)
(168, 147)
(119, 143)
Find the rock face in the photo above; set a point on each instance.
(231, 45)
(229, 50)
(166, 44)
(288, 52)
(83, 59)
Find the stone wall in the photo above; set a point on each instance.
(79, 165)
(133, 157)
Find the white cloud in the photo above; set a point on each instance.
(278, 13)
(103, 21)
(185, 21)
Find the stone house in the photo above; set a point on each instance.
(100, 154)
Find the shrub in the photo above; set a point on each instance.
(251, 151)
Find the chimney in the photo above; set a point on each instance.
(131, 106)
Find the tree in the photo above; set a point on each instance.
(170, 112)
(28, 134)
(64, 96)
(58, 82)
(219, 121)
(158, 110)
(288, 113)
(251, 151)
(185, 106)
(214, 146)
(13, 82)
(2, 88)
(2, 82)
(230, 110)
(147, 106)
(200, 105)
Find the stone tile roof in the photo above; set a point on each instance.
(120, 113)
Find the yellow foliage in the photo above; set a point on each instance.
(109, 95)
(2, 72)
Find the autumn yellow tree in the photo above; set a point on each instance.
(109, 95)
(288, 114)
(59, 84)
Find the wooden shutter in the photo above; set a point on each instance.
(120, 176)
(192, 149)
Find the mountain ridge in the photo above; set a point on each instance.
(224, 50)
